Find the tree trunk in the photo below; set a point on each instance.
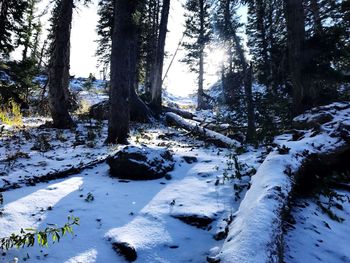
(138, 109)
(59, 66)
(296, 37)
(201, 101)
(41, 56)
(156, 84)
(251, 131)
(123, 68)
(247, 82)
(261, 28)
(216, 138)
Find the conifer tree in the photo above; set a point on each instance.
(157, 70)
(11, 24)
(123, 67)
(198, 32)
(104, 31)
(59, 64)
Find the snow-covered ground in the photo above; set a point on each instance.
(315, 237)
(143, 213)
(207, 209)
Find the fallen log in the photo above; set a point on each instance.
(182, 113)
(256, 233)
(209, 135)
(53, 175)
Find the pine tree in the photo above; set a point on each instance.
(228, 28)
(104, 31)
(198, 31)
(226, 23)
(11, 24)
(157, 70)
(29, 28)
(123, 67)
(59, 63)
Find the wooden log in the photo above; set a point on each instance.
(208, 135)
(182, 113)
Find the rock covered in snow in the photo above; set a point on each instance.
(315, 117)
(140, 163)
(100, 111)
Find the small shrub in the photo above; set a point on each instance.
(10, 114)
(27, 237)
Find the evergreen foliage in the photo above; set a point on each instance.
(11, 24)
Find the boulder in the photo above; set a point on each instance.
(140, 163)
(100, 111)
(309, 121)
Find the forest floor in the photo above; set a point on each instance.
(142, 213)
(183, 217)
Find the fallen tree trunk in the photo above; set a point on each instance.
(53, 175)
(256, 233)
(209, 135)
(182, 113)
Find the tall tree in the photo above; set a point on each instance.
(227, 27)
(294, 13)
(59, 64)
(198, 31)
(104, 30)
(29, 28)
(157, 72)
(138, 109)
(11, 23)
(123, 67)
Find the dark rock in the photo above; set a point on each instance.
(140, 163)
(221, 235)
(213, 259)
(190, 159)
(126, 250)
(100, 111)
(199, 221)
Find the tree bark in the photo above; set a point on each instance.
(59, 66)
(201, 57)
(156, 79)
(296, 39)
(210, 136)
(123, 68)
(182, 113)
(139, 111)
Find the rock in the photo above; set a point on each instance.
(308, 121)
(199, 221)
(190, 159)
(140, 163)
(100, 111)
(126, 250)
